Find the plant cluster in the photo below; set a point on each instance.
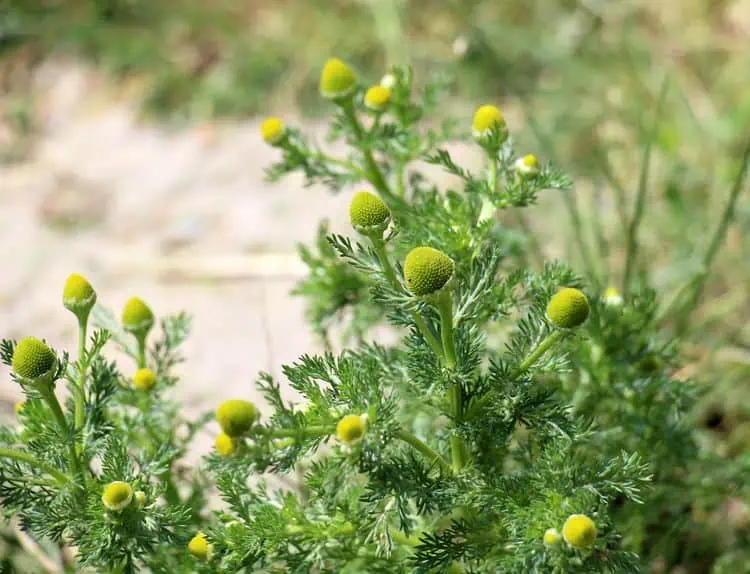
(522, 421)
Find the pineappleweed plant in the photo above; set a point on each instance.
(441, 453)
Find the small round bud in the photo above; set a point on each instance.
(33, 360)
(117, 495)
(579, 531)
(377, 98)
(427, 270)
(612, 297)
(368, 214)
(527, 166)
(350, 429)
(225, 445)
(144, 379)
(78, 296)
(200, 548)
(337, 80)
(568, 308)
(272, 130)
(137, 317)
(140, 498)
(552, 537)
(487, 119)
(18, 407)
(235, 416)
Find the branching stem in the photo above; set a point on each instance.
(33, 461)
(375, 176)
(431, 455)
(48, 394)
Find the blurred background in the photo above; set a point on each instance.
(130, 153)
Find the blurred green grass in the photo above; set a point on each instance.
(581, 76)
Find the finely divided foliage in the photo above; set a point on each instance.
(483, 426)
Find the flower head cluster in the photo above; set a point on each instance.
(33, 360)
(377, 98)
(144, 379)
(78, 296)
(579, 531)
(568, 308)
(527, 166)
(225, 445)
(350, 429)
(117, 495)
(368, 214)
(137, 317)
(489, 120)
(200, 548)
(273, 130)
(337, 80)
(427, 271)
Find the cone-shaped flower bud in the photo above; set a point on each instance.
(427, 271)
(377, 98)
(579, 531)
(137, 317)
(337, 80)
(117, 495)
(612, 297)
(140, 498)
(78, 296)
(272, 130)
(235, 416)
(33, 360)
(225, 444)
(552, 537)
(144, 379)
(527, 166)
(568, 308)
(486, 119)
(368, 214)
(350, 429)
(199, 547)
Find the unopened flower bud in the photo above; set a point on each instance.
(377, 98)
(579, 531)
(272, 130)
(144, 379)
(225, 444)
(117, 495)
(235, 416)
(137, 317)
(568, 308)
(78, 296)
(486, 120)
(337, 80)
(612, 297)
(34, 361)
(350, 429)
(427, 271)
(527, 166)
(552, 537)
(368, 214)
(200, 548)
(140, 498)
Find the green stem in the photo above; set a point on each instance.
(307, 432)
(33, 461)
(48, 394)
(429, 337)
(430, 454)
(549, 341)
(375, 176)
(631, 242)
(719, 236)
(401, 179)
(81, 395)
(141, 352)
(455, 396)
(340, 162)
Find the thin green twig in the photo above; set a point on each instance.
(631, 244)
(33, 461)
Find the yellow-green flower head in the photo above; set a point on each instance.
(527, 166)
(337, 80)
(350, 429)
(427, 271)
(18, 407)
(117, 495)
(377, 98)
(137, 317)
(144, 379)
(33, 360)
(368, 214)
(273, 130)
(612, 297)
(140, 498)
(78, 295)
(552, 537)
(579, 531)
(486, 118)
(235, 416)
(225, 444)
(568, 308)
(199, 547)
